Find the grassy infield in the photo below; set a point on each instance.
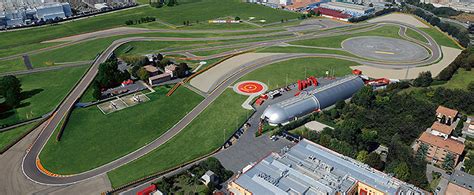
(75, 151)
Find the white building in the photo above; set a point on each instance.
(348, 8)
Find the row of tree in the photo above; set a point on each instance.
(161, 3)
(439, 11)
(462, 35)
(141, 20)
(464, 60)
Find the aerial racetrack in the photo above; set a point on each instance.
(373, 54)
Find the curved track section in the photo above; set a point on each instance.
(29, 165)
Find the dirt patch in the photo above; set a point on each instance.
(449, 54)
(464, 17)
(205, 81)
(399, 17)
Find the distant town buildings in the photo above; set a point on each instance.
(437, 140)
(460, 5)
(308, 168)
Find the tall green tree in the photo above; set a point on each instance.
(424, 79)
(10, 89)
(402, 171)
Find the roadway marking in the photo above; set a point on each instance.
(384, 52)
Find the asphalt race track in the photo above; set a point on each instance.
(31, 171)
(384, 48)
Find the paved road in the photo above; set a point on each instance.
(33, 173)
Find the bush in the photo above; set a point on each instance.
(424, 79)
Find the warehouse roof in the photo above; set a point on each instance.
(437, 126)
(447, 111)
(447, 144)
(308, 168)
(333, 13)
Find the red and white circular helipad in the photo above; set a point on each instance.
(250, 88)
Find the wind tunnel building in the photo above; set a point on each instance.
(318, 99)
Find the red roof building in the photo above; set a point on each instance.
(332, 13)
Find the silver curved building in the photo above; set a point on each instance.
(318, 99)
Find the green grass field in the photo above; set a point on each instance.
(440, 37)
(91, 138)
(188, 10)
(335, 41)
(295, 69)
(293, 49)
(413, 34)
(11, 136)
(204, 135)
(43, 92)
(460, 80)
(12, 65)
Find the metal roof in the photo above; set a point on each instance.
(308, 168)
(320, 98)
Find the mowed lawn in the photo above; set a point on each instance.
(440, 37)
(335, 41)
(42, 92)
(460, 79)
(413, 34)
(11, 136)
(188, 10)
(92, 139)
(295, 69)
(202, 136)
(12, 65)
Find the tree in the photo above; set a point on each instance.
(96, 91)
(448, 163)
(469, 163)
(422, 151)
(435, 21)
(10, 89)
(362, 156)
(182, 69)
(424, 79)
(470, 86)
(143, 74)
(159, 57)
(373, 160)
(364, 97)
(237, 18)
(402, 171)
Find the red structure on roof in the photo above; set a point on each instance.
(148, 190)
(332, 13)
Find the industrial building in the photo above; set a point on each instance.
(307, 102)
(348, 8)
(308, 168)
(14, 14)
